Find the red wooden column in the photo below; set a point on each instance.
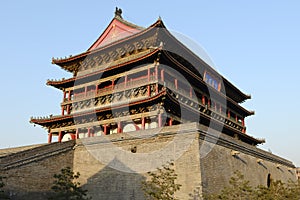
(105, 129)
(156, 72)
(59, 136)
(159, 120)
(208, 103)
(228, 114)
(69, 97)
(96, 90)
(77, 134)
(50, 137)
(243, 122)
(162, 75)
(170, 121)
(62, 111)
(89, 132)
(68, 109)
(65, 94)
(119, 129)
(236, 118)
(149, 90)
(191, 92)
(203, 99)
(143, 123)
(176, 83)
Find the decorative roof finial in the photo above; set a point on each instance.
(118, 12)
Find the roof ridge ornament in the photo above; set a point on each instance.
(118, 12)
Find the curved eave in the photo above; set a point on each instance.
(49, 120)
(61, 62)
(61, 84)
(241, 94)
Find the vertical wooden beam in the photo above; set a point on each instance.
(149, 90)
(89, 132)
(170, 121)
(243, 121)
(59, 136)
(162, 76)
(68, 109)
(159, 120)
(50, 137)
(70, 94)
(228, 114)
(191, 92)
(143, 123)
(96, 89)
(62, 110)
(203, 99)
(105, 129)
(77, 134)
(65, 94)
(176, 83)
(119, 129)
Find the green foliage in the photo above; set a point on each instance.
(162, 184)
(239, 188)
(65, 186)
(2, 193)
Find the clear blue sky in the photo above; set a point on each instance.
(254, 44)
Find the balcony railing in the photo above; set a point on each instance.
(131, 83)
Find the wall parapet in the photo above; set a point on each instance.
(35, 154)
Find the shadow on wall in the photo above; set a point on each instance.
(112, 184)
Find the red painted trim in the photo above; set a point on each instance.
(60, 136)
(49, 137)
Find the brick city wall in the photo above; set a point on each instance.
(229, 154)
(203, 161)
(29, 173)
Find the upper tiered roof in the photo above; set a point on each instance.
(120, 31)
(117, 29)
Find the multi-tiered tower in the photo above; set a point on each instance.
(135, 78)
